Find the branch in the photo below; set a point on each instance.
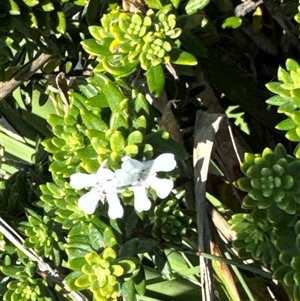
(24, 74)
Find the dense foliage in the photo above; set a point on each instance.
(122, 129)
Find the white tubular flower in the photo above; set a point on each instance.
(142, 175)
(103, 187)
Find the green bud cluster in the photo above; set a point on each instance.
(253, 239)
(101, 274)
(24, 286)
(40, 236)
(272, 177)
(170, 222)
(60, 198)
(271, 231)
(288, 268)
(28, 289)
(127, 40)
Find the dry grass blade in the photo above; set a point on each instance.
(206, 128)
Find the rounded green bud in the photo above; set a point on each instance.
(278, 169)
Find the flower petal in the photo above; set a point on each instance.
(115, 209)
(104, 174)
(141, 200)
(164, 162)
(126, 177)
(82, 180)
(162, 186)
(130, 164)
(89, 202)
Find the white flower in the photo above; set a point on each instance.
(141, 175)
(103, 186)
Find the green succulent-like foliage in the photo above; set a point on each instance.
(25, 286)
(253, 239)
(105, 126)
(271, 178)
(41, 236)
(59, 200)
(28, 289)
(126, 41)
(100, 124)
(288, 100)
(288, 268)
(171, 224)
(102, 274)
(272, 185)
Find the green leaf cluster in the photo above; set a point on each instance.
(42, 236)
(271, 178)
(272, 184)
(102, 273)
(26, 285)
(126, 40)
(171, 223)
(105, 126)
(288, 100)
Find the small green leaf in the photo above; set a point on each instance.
(291, 65)
(135, 137)
(113, 94)
(292, 135)
(284, 76)
(96, 47)
(140, 282)
(156, 4)
(131, 150)
(71, 278)
(232, 22)
(140, 124)
(120, 66)
(92, 121)
(295, 94)
(288, 86)
(285, 125)
(277, 100)
(97, 32)
(156, 80)
(61, 23)
(118, 121)
(180, 57)
(287, 107)
(109, 238)
(128, 290)
(14, 8)
(117, 141)
(31, 3)
(76, 263)
(82, 281)
(297, 151)
(54, 120)
(296, 117)
(276, 88)
(193, 6)
(86, 153)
